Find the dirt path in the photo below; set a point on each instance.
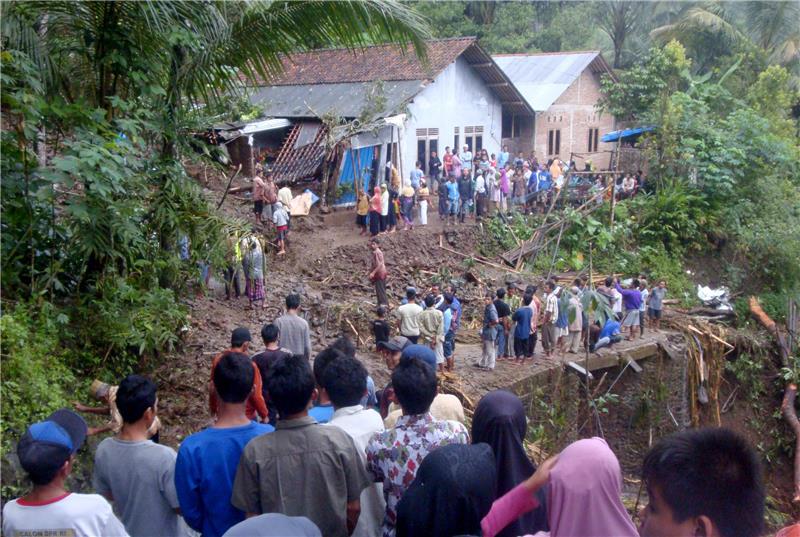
(327, 264)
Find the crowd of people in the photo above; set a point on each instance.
(514, 316)
(477, 185)
(297, 447)
(301, 450)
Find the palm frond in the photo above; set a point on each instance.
(710, 17)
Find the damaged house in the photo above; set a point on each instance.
(340, 116)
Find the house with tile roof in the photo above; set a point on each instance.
(458, 95)
(563, 89)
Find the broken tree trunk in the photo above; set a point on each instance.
(790, 393)
(790, 415)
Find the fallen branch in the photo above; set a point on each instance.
(789, 394)
(478, 259)
(712, 336)
(225, 195)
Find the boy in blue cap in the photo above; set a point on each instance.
(47, 452)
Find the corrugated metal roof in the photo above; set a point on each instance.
(344, 99)
(542, 78)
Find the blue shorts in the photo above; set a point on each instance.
(452, 208)
(449, 344)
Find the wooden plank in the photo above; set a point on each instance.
(632, 363)
(580, 369)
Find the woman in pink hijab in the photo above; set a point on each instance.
(585, 482)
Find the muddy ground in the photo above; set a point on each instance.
(327, 264)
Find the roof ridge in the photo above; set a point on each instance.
(377, 45)
(562, 53)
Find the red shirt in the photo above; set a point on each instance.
(448, 162)
(255, 403)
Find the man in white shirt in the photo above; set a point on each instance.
(46, 452)
(616, 307)
(345, 380)
(408, 314)
(549, 335)
(480, 195)
(466, 158)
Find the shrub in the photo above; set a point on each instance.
(35, 380)
(677, 216)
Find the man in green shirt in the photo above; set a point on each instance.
(303, 468)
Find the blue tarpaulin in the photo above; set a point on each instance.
(626, 133)
(357, 163)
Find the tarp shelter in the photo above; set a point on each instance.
(357, 166)
(301, 205)
(626, 134)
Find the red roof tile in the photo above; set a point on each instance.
(380, 62)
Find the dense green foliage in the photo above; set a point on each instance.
(101, 102)
(724, 179)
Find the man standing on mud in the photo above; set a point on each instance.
(431, 329)
(378, 272)
(408, 316)
(293, 329)
(488, 334)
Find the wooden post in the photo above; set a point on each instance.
(400, 160)
(614, 180)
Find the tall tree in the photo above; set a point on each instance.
(619, 19)
(713, 28)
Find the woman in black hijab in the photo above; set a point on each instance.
(453, 490)
(499, 421)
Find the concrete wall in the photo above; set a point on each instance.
(574, 113)
(458, 97)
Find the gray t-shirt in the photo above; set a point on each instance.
(294, 334)
(489, 331)
(140, 477)
(274, 525)
(656, 296)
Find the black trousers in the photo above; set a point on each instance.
(521, 347)
(532, 343)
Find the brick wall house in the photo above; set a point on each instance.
(564, 89)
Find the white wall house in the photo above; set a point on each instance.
(455, 108)
(458, 96)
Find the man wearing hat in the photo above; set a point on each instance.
(47, 452)
(240, 342)
(392, 349)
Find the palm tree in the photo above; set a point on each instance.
(714, 27)
(193, 49)
(775, 27)
(619, 19)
